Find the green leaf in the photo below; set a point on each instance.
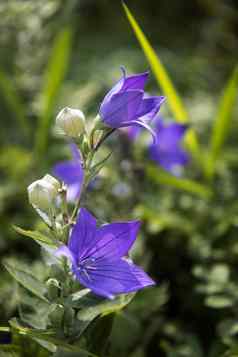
(92, 306)
(49, 336)
(160, 176)
(26, 279)
(10, 350)
(34, 312)
(174, 100)
(13, 101)
(101, 307)
(148, 301)
(97, 167)
(37, 236)
(54, 75)
(222, 121)
(46, 345)
(98, 334)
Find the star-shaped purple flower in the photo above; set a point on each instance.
(168, 151)
(97, 256)
(128, 105)
(71, 173)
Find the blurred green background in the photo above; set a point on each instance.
(55, 53)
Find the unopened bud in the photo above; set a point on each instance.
(56, 316)
(57, 272)
(53, 288)
(71, 122)
(68, 320)
(42, 192)
(52, 181)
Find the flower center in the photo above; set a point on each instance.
(86, 265)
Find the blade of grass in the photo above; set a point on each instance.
(14, 102)
(222, 122)
(54, 75)
(174, 100)
(4, 329)
(159, 71)
(160, 176)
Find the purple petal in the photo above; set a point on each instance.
(108, 278)
(168, 151)
(169, 160)
(83, 233)
(113, 240)
(150, 106)
(75, 152)
(133, 132)
(69, 172)
(73, 192)
(142, 124)
(121, 108)
(169, 135)
(136, 81)
(64, 251)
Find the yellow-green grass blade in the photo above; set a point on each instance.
(162, 177)
(14, 102)
(174, 100)
(222, 122)
(54, 76)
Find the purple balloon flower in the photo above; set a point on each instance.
(168, 151)
(71, 173)
(128, 105)
(97, 256)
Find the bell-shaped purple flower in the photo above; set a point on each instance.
(97, 256)
(71, 173)
(128, 105)
(168, 151)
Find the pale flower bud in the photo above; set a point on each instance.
(52, 181)
(71, 122)
(43, 192)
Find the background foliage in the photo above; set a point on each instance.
(54, 54)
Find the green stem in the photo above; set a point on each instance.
(103, 139)
(88, 163)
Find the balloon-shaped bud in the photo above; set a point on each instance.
(71, 122)
(42, 193)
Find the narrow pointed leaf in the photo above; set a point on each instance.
(13, 101)
(100, 331)
(54, 75)
(162, 177)
(4, 329)
(101, 306)
(10, 350)
(97, 167)
(49, 336)
(26, 279)
(222, 121)
(37, 236)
